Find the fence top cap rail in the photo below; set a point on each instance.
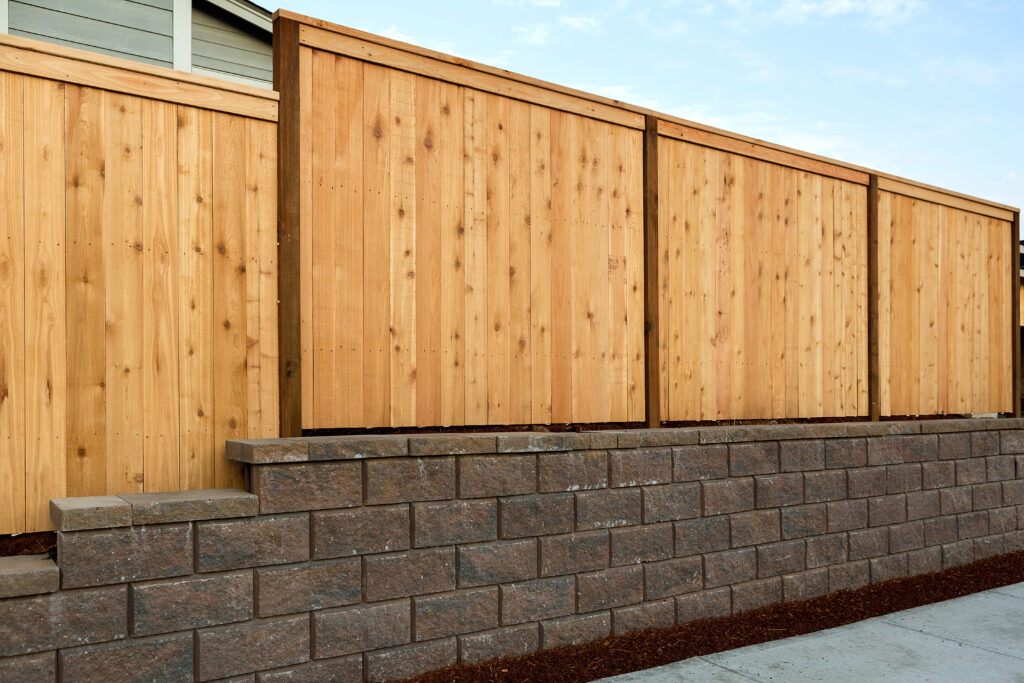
(609, 102)
(56, 62)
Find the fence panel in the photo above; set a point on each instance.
(763, 276)
(946, 332)
(470, 246)
(138, 317)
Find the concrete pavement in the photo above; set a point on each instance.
(979, 637)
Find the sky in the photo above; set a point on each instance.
(930, 90)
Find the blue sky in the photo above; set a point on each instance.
(927, 89)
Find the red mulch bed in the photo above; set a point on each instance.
(645, 649)
(27, 544)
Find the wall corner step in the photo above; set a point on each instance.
(28, 575)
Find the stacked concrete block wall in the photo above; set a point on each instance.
(382, 557)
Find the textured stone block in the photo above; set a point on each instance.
(672, 577)
(37, 668)
(537, 515)
(729, 567)
(573, 471)
(1013, 492)
(805, 585)
(608, 508)
(887, 510)
(747, 459)
(888, 567)
(452, 444)
(93, 558)
(90, 512)
(258, 541)
(190, 602)
(27, 575)
(571, 553)
(940, 530)
(954, 500)
(640, 467)
(779, 490)
(972, 525)
(261, 451)
(161, 658)
(972, 471)
(666, 436)
(500, 562)
(708, 604)
(413, 572)
(920, 447)
(865, 543)
(360, 531)
(990, 546)
(694, 463)
(187, 506)
(754, 528)
(849, 576)
(984, 444)
(310, 586)
(922, 504)
(454, 521)
(348, 630)
(957, 554)
(924, 561)
(780, 558)
(63, 619)
(336, 670)
(865, 482)
(804, 520)
(845, 453)
(252, 646)
(357, 447)
(887, 450)
(1011, 441)
(402, 480)
(538, 599)
(825, 550)
(645, 616)
(823, 486)
(986, 496)
(542, 442)
(644, 543)
(728, 495)
(1002, 520)
(609, 588)
(574, 630)
(844, 515)
(671, 502)
(801, 456)
(937, 475)
(954, 446)
(1000, 468)
(448, 614)
(754, 594)
(308, 486)
(903, 478)
(510, 641)
(407, 661)
(484, 476)
(702, 535)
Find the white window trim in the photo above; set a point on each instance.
(231, 77)
(4, 26)
(182, 35)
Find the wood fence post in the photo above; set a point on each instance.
(1015, 313)
(652, 365)
(287, 83)
(874, 380)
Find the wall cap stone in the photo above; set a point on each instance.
(90, 512)
(188, 506)
(27, 575)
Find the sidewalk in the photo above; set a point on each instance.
(979, 637)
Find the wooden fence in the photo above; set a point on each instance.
(465, 246)
(138, 316)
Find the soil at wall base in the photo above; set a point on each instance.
(28, 544)
(645, 649)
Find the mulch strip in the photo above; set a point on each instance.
(27, 544)
(646, 649)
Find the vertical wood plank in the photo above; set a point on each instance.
(160, 284)
(123, 209)
(791, 227)
(520, 334)
(874, 303)
(929, 390)
(885, 301)
(618, 288)
(453, 257)
(860, 221)
(475, 141)
(377, 342)
(540, 264)
(496, 198)
(12, 307)
(724, 183)
(563, 146)
(830, 342)
(45, 323)
(942, 324)
(264, 170)
(708, 200)
(671, 269)
(229, 312)
(581, 227)
(636, 208)
(737, 288)
(1014, 254)
(195, 309)
(428, 252)
(599, 301)
(253, 355)
(84, 138)
(777, 300)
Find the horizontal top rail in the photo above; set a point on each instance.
(936, 196)
(377, 49)
(59, 63)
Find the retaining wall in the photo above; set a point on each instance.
(386, 556)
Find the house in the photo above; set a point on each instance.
(228, 39)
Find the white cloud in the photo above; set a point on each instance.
(393, 33)
(881, 11)
(534, 3)
(622, 93)
(581, 23)
(535, 34)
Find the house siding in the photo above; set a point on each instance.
(222, 47)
